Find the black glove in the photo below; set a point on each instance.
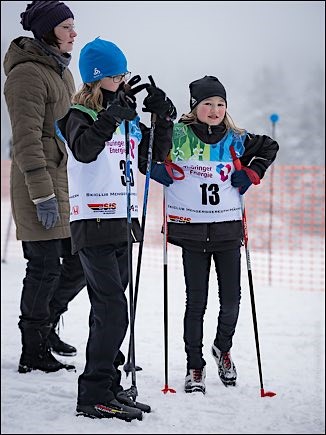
(126, 97)
(48, 212)
(157, 102)
(130, 89)
(160, 174)
(244, 179)
(122, 107)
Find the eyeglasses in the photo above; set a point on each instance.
(120, 77)
(68, 27)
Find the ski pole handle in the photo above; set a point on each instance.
(153, 116)
(235, 159)
(128, 87)
(170, 167)
(134, 80)
(151, 80)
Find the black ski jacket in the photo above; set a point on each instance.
(260, 152)
(86, 139)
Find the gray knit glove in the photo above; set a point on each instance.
(48, 212)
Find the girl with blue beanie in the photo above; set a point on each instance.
(94, 129)
(205, 220)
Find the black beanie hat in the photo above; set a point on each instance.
(206, 87)
(42, 16)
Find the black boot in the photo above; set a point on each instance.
(36, 354)
(55, 343)
(60, 347)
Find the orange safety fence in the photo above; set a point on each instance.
(286, 227)
(286, 219)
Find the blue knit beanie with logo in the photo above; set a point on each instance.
(99, 59)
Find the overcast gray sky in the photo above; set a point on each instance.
(178, 42)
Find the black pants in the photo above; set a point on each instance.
(50, 283)
(196, 270)
(106, 271)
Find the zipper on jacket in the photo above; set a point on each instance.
(98, 220)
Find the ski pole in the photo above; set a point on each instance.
(274, 118)
(127, 366)
(130, 277)
(166, 388)
(130, 366)
(5, 249)
(170, 167)
(237, 165)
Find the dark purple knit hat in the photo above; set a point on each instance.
(42, 16)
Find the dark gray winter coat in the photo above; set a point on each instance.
(38, 91)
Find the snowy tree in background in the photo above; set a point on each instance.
(301, 129)
(311, 119)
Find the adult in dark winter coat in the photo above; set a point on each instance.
(205, 219)
(95, 132)
(38, 90)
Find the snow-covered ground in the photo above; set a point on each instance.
(291, 328)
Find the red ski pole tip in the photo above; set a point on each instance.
(267, 393)
(167, 389)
